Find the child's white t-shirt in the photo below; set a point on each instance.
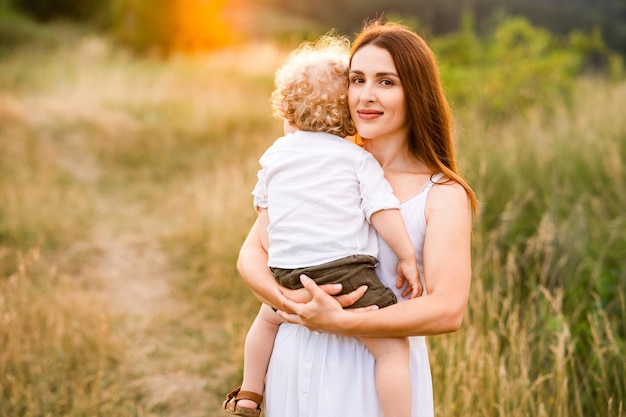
(320, 191)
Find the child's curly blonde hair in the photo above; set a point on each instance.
(312, 87)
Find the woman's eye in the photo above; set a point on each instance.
(387, 83)
(357, 80)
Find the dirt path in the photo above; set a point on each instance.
(135, 282)
(133, 278)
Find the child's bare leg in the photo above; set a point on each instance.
(393, 377)
(257, 352)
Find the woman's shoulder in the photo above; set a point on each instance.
(448, 196)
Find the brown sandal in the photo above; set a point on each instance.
(230, 405)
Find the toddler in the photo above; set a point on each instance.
(317, 197)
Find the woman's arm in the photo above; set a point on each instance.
(252, 266)
(447, 271)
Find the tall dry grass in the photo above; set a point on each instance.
(94, 139)
(544, 334)
(95, 142)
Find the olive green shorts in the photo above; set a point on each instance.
(351, 272)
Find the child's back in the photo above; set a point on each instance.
(320, 191)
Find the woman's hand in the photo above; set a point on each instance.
(302, 295)
(322, 310)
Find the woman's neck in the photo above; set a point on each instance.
(390, 154)
(395, 156)
(385, 151)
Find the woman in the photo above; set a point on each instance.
(397, 104)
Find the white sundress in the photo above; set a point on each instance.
(326, 375)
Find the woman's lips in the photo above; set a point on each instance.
(369, 114)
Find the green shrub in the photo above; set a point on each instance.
(46, 10)
(518, 66)
(143, 25)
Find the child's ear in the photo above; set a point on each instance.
(288, 127)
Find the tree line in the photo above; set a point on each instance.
(445, 16)
(151, 19)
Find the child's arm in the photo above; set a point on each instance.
(391, 227)
(264, 221)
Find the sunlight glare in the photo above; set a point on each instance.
(203, 24)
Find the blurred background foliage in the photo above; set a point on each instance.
(526, 56)
(165, 24)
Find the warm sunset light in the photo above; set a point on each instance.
(203, 24)
(132, 262)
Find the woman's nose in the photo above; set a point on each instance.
(367, 93)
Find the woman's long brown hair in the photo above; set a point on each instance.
(428, 112)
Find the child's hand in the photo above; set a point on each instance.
(407, 271)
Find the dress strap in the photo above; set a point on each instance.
(433, 180)
(426, 187)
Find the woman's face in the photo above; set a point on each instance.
(375, 95)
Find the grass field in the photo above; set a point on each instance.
(125, 195)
